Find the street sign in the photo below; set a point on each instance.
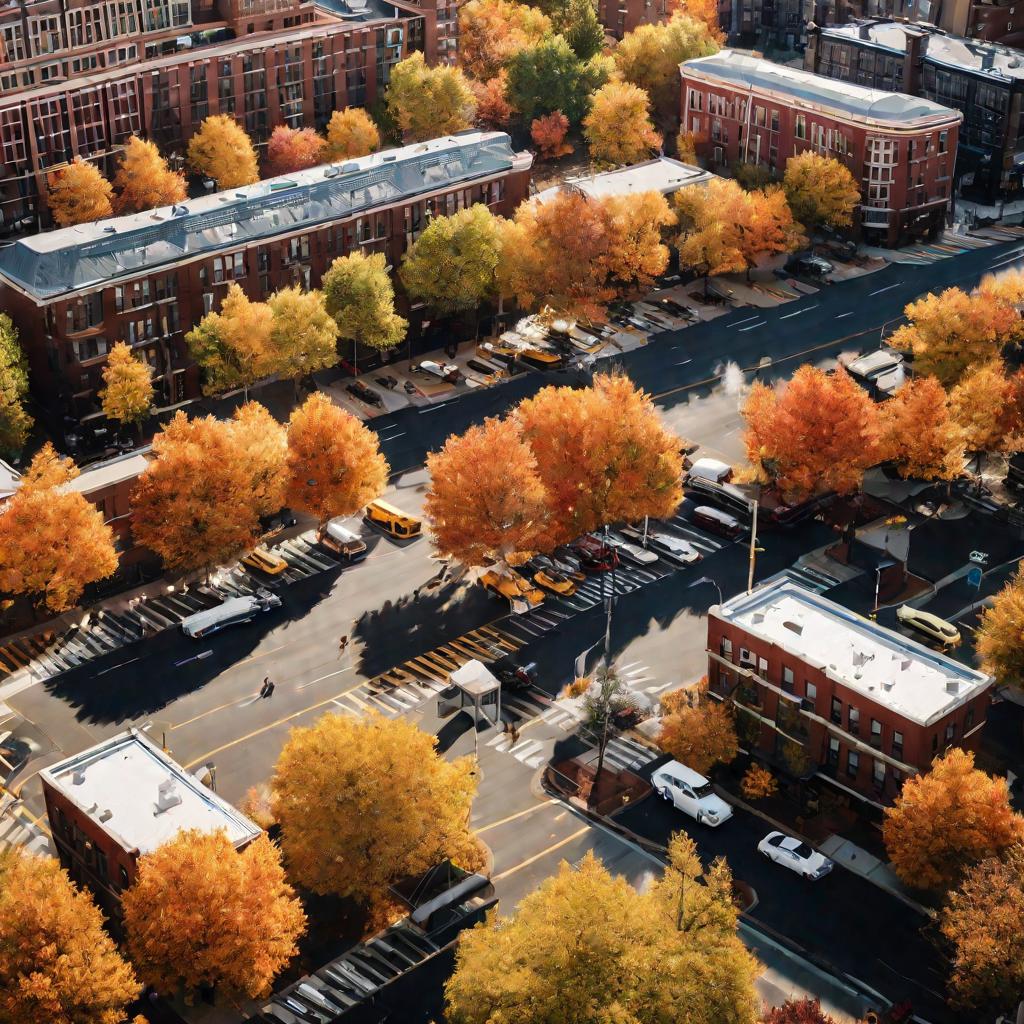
(974, 577)
(979, 557)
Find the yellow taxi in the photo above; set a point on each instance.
(556, 582)
(265, 561)
(511, 586)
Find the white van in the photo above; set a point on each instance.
(233, 611)
(711, 469)
(343, 541)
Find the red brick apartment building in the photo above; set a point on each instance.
(866, 705)
(147, 278)
(622, 16)
(902, 149)
(121, 799)
(79, 77)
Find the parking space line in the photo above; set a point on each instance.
(537, 856)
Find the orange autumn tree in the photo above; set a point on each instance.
(818, 433)
(59, 965)
(919, 434)
(602, 454)
(548, 133)
(222, 151)
(351, 133)
(202, 914)
(78, 193)
(486, 499)
(143, 179)
(948, 819)
(999, 639)
(293, 149)
(127, 394)
(618, 128)
(636, 254)
(261, 440)
(977, 405)
(491, 32)
(53, 541)
(494, 111)
(767, 227)
(335, 466)
(699, 733)
(709, 219)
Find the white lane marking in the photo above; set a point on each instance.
(684, 362)
(887, 288)
(742, 330)
(432, 408)
(736, 323)
(839, 316)
(391, 437)
(806, 309)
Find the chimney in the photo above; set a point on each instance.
(77, 777)
(106, 815)
(864, 30)
(988, 60)
(952, 686)
(915, 47)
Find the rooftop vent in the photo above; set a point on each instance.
(349, 165)
(110, 229)
(952, 686)
(167, 797)
(77, 777)
(331, 172)
(758, 618)
(887, 684)
(794, 626)
(106, 815)
(388, 157)
(179, 210)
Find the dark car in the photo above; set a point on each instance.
(809, 265)
(515, 676)
(365, 394)
(594, 554)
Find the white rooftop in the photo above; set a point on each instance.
(662, 174)
(475, 678)
(143, 798)
(112, 471)
(887, 668)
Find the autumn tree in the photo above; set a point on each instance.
(603, 455)
(143, 179)
(650, 55)
(948, 819)
(335, 466)
(701, 734)
(427, 102)
(798, 1011)
(293, 149)
(493, 109)
(486, 500)
(492, 31)
(451, 266)
(15, 422)
(359, 295)
(79, 193)
(379, 830)
(704, 11)
(53, 541)
(127, 393)
(982, 923)
(636, 254)
(645, 954)
(548, 133)
(548, 76)
(201, 914)
(918, 433)
(577, 22)
(198, 502)
(820, 190)
(618, 128)
(351, 133)
(818, 433)
(222, 151)
(758, 783)
(57, 962)
(303, 335)
(1000, 639)
(976, 404)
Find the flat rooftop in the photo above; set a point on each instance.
(898, 673)
(662, 174)
(139, 795)
(886, 109)
(939, 48)
(90, 255)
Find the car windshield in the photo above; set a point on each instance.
(803, 851)
(703, 791)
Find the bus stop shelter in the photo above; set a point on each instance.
(477, 689)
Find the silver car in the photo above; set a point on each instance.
(630, 551)
(668, 544)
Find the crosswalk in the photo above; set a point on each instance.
(815, 580)
(623, 754)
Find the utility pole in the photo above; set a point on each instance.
(753, 540)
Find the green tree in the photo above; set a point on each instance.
(577, 22)
(15, 422)
(549, 77)
(451, 266)
(604, 698)
(428, 102)
(359, 295)
(303, 336)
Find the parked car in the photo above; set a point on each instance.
(445, 371)
(629, 551)
(673, 308)
(556, 582)
(810, 265)
(714, 520)
(231, 612)
(511, 586)
(709, 469)
(795, 854)
(264, 561)
(690, 793)
(881, 373)
(357, 389)
(594, 554)
(667, 544)
(513, 675)
(939, 630)
(723, 495)
(342, 540)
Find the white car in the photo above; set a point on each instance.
(690, 793)
(795, 854)
(671, 546)
(630, 551)
(446, 371)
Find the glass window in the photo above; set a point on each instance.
(852, 763)
(787, 680)
(811, 690)
(833, 750)
(876, 732)
(837, 710)
(853, 720)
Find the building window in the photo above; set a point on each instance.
(876, 733)
(746, 658)
(800, 129)
(969, 720)
(852, 763)
(775, 120)
(897, 744)
(943, 142)
(787, 680)
(950, 732)
(833, 751)
(853, 720)
(762, 667)
(726, 647)
(696, 100)
(837, 710)
(878, 774)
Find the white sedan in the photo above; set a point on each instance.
(795, 854)
(628, 550)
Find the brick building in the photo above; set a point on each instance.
(900, 149)
(622, 16)
(147, 278)
(79, 78)
(985, 82)
(121, 799)
(863, 706)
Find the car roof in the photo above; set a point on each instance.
(716, 513)
(684, 774)
(934, 620)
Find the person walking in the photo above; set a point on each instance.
(267, 688)
(343, 644)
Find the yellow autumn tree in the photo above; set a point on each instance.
(57, 962)
(143, 179)
(53, 541)
(618, 128)
(15, 422)
(335, 466)
(701, 733)
(976, 404)
(1000, 639)
(427, 102)
(820, 190)
(127, 393)
(363, 802)
(491, 32)
(303, 335)
(201, 913)
(222, 151)
(948, 819)
(919, 434)
(79, 193)
(486, 500)
(351, 133)
(636, 254)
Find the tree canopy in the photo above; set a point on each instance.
(549, 76)
(427, 102)
(548, 133)
(335, 466)
(359, 295)
(53, 541)
(919, 434)
(700, 734)
(143, 179)
(57, 962)
(977, 402)
(15, 422)
(1000, 638)
(577, 22)
(222, 151)
(948, 819)
(303, 335)
(293, 149)
(78, 193)
(618, 129)
(201, 913)
(351, 133)
(364, 802)
(820, 190)
(127, 386)
(491, 32)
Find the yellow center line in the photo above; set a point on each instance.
(537, 856)
(513, 817)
